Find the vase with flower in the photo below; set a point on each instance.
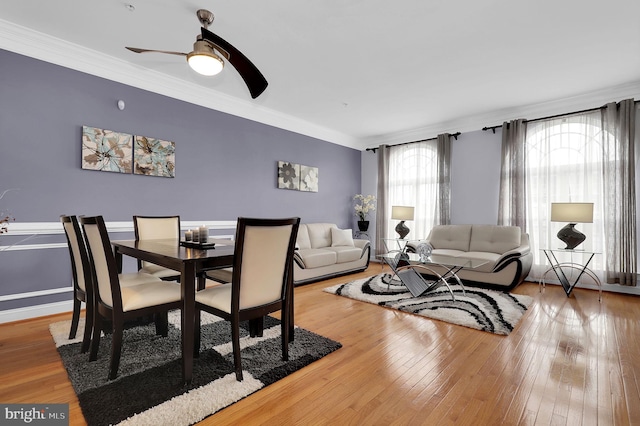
(364, 204)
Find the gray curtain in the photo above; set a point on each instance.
(443, 203)
(618, 124)
(512, 206)
(382, 215)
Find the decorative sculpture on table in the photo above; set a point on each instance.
(424, 251)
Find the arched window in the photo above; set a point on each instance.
(564, 163)
(413, 181)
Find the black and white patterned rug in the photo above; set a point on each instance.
(149, 389)
(486, 310)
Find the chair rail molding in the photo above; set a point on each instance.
(31, 230)
(20, 239)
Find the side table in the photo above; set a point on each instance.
(567, 282)
(364, 235)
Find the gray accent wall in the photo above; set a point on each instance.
(225, 166)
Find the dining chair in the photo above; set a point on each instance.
(83, 287)
(82, 284)
(155, 228)
(262, 281)
(222, 275)
(117, 302)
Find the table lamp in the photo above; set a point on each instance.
(402, 213)
(572, 213)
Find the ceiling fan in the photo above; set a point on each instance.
(204, 59)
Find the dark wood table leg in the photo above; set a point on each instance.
(188, 287)
(118, 256)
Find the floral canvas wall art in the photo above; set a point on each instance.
(154, 157)
(297, 177)
(106, 150)
(288, 175)
(308, 178)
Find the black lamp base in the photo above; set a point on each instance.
(571, 237)
(402, 229)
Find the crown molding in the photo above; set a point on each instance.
(40, 46)
(473, 123)
(34, 44)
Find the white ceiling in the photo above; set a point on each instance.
(357, 73)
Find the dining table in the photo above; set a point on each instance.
(192, 263)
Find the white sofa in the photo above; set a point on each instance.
(506, 248)
(324, 251)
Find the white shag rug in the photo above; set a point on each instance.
(486, 310)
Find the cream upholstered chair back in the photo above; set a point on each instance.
(263, 264)
(101, 256)
(262, 282)
(148, 296)
(77, 250)
(156, 227)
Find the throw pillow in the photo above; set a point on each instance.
(341, 237)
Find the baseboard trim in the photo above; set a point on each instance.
(31, 312)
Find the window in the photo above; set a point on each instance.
(564, 163)
(413, 181)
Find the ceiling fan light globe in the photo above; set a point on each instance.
(205, 64)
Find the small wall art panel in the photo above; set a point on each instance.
(106, 150)
(297, 177)
(288, 175)
(154, 157)
(308, 178)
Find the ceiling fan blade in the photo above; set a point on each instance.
(253, 78)
(168, 52)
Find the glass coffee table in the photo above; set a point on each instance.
(407, 268)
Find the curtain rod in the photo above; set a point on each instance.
(455, 136)
(493, 128)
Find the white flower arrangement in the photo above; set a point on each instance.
(364, 205)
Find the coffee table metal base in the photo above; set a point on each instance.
(417, 285)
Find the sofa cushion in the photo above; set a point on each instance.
(315, 258)
(454, 237)
(494, 238)
(341, 237)
(302, 241)
(346, 254)
(320, 234)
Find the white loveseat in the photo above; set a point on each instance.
(324, 251)
(506, 248)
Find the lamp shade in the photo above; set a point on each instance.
(572, 212)
(203, 60)
(401, 213)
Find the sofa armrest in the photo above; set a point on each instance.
(361, 244)
(509, 256)
(298, 259)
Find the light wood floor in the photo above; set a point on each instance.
(570, 361)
